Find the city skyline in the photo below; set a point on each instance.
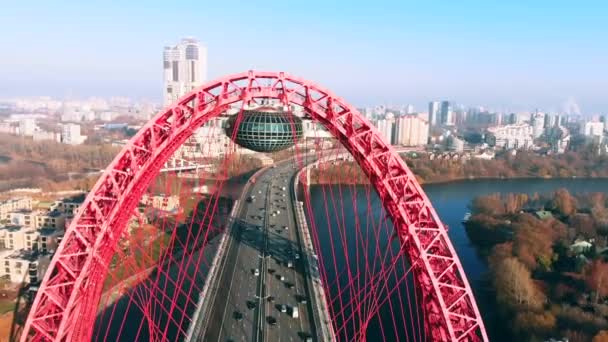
(505, 56)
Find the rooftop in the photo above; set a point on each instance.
(14, 228)
(544, 214)
(20, 255)
(48, 231)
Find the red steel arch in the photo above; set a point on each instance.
(66, 305)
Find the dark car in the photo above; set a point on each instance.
(271, 320)
(251, 304)
(237, 315)
(301, 299)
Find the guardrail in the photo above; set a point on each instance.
(322, 322)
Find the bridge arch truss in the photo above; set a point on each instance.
(66, 304)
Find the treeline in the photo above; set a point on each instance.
(582, 164)
(585, 164)
(46, 163)
(548, 262)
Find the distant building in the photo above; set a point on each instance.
(185, 68)
(411, 130)
(45, 136)
(14, 204)
(161, 202)
(434, 113)
(70, 134)
(519, 136)
(385, 127)
(447, 115)
(485, 155)
(455, 144)
(593, 129)
(23, 266)
(15, 237)
(409, 109)
(538, 124)
(67, 207)
(27, 127)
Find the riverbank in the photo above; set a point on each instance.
(362, 180)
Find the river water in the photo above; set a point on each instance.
(451, 200)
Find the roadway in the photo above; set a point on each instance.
(246, 306)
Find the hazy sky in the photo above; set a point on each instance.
(501, 53)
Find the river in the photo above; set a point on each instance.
(451, 200)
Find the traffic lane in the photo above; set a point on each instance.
(243, 289)
(298, 273)
(290, 327)
(246, 287)
(238, 329)
(285, 328)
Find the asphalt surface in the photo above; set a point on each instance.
(245, 304)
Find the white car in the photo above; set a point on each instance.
(256, 272)
(294, 312)
(283, 308)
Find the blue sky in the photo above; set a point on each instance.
(501, 54)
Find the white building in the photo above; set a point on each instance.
(409, 109)
(14, 204)
(434, 113)
(385, 127)
(593, 129)
(455, 144)
(44, 135)
(185, 68)
(70, 134)
(23, 266)
(411, 130)
(27, 127)
(519, 136)
(538, 124)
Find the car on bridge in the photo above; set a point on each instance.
(271, 320)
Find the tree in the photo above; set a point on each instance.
(596, 278)
(489, 205)
(584, 225)
(515, 287)
(563, 202)
(539, 323)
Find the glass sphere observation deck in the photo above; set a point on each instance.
(265, 129)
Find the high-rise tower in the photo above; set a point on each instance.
(185, 68)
